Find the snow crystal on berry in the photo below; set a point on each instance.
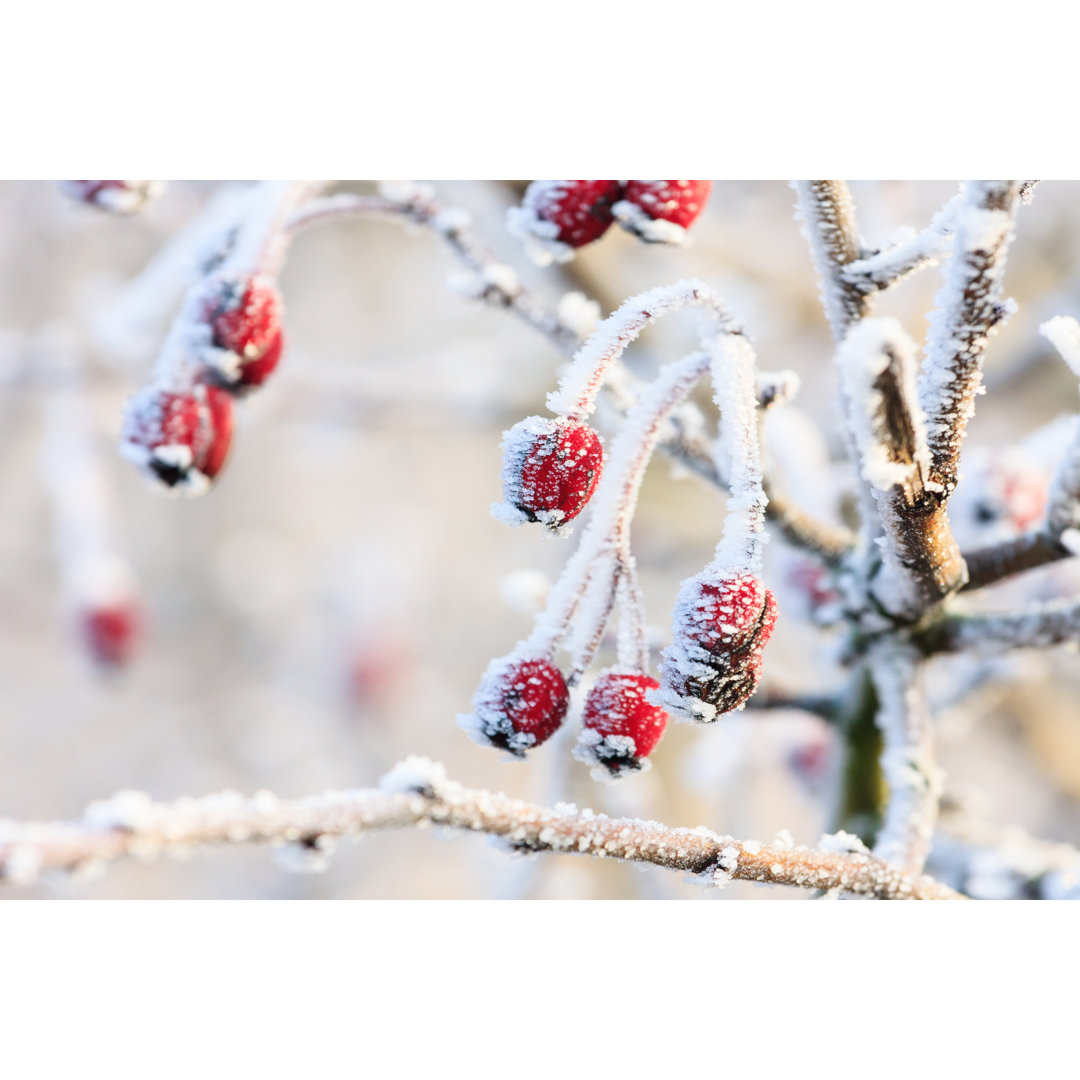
(557, 216)
(179, 439)
(520, 703)
(245, 316)
(620, 726)
(550, 471)
(660, 211)
(713, 664)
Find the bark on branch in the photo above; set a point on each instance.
(417, 793)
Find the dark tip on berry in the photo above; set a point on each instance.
(170, 475)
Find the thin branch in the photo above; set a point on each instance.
(1036, 627)
(828, 214)
(829, 542)
(989, 565)
(418, 793)
(907, 759)
(968, 308)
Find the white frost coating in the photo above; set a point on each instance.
(578, 389)
(735, 393)
(652, 230)
(415, 774)
(578, 313)
(1063, 332)
(968, 302)
(842, 843)
(129, 810)
(865, 354)
(310, 856)
(908, 253)
(404, 191)
(908, 762)
(538, 237)
(595, 750)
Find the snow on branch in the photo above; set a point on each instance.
(1036, 627)
(968, 308)
(418, 793)
(878, 372)
(907, 760)
(828, 215)
(1059, 535)
(889, 267)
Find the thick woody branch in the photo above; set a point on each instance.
(417, 793)
(968, 308)
(922, 560)
(907, 759)
(828, 214)
(1035, 627)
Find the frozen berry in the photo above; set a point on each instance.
(110, 633)
(550, 470)
(180, 439)
(721, 625)
(660, 211)
(245, 321)
(621, 727)
(557, 216)
(521, 702)
(114, 196)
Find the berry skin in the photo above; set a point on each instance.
(713, 665)
(620, 726)
(558, 216)
(521, 703)
(550, 469)
(659, 211)
(180, 439)
(245, 322)
(113, 196)
(110, 633)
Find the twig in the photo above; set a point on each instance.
(828, 212)
(988, 565)
(418, 793)
(968, 308)
(1035, 627)
(907, 759)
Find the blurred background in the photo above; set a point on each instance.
(329, 607)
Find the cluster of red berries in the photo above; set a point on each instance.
(523, 700)
(182, 437)
(558, 216)
(722, 624)
(550, 469)
(113, 196)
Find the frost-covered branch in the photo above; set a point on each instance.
(907, 759)
(892, 265)
(967, 309)
(922, 562)
(417, 793)
(828, 215)
(1036, 627)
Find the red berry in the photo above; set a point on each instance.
(560, 215)
(713, 664)
(521, 702)
(110, 632)
(621, 727)
(658, 210)
(114, 196)
(550, 468)
(181, 439)
(245, 320)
